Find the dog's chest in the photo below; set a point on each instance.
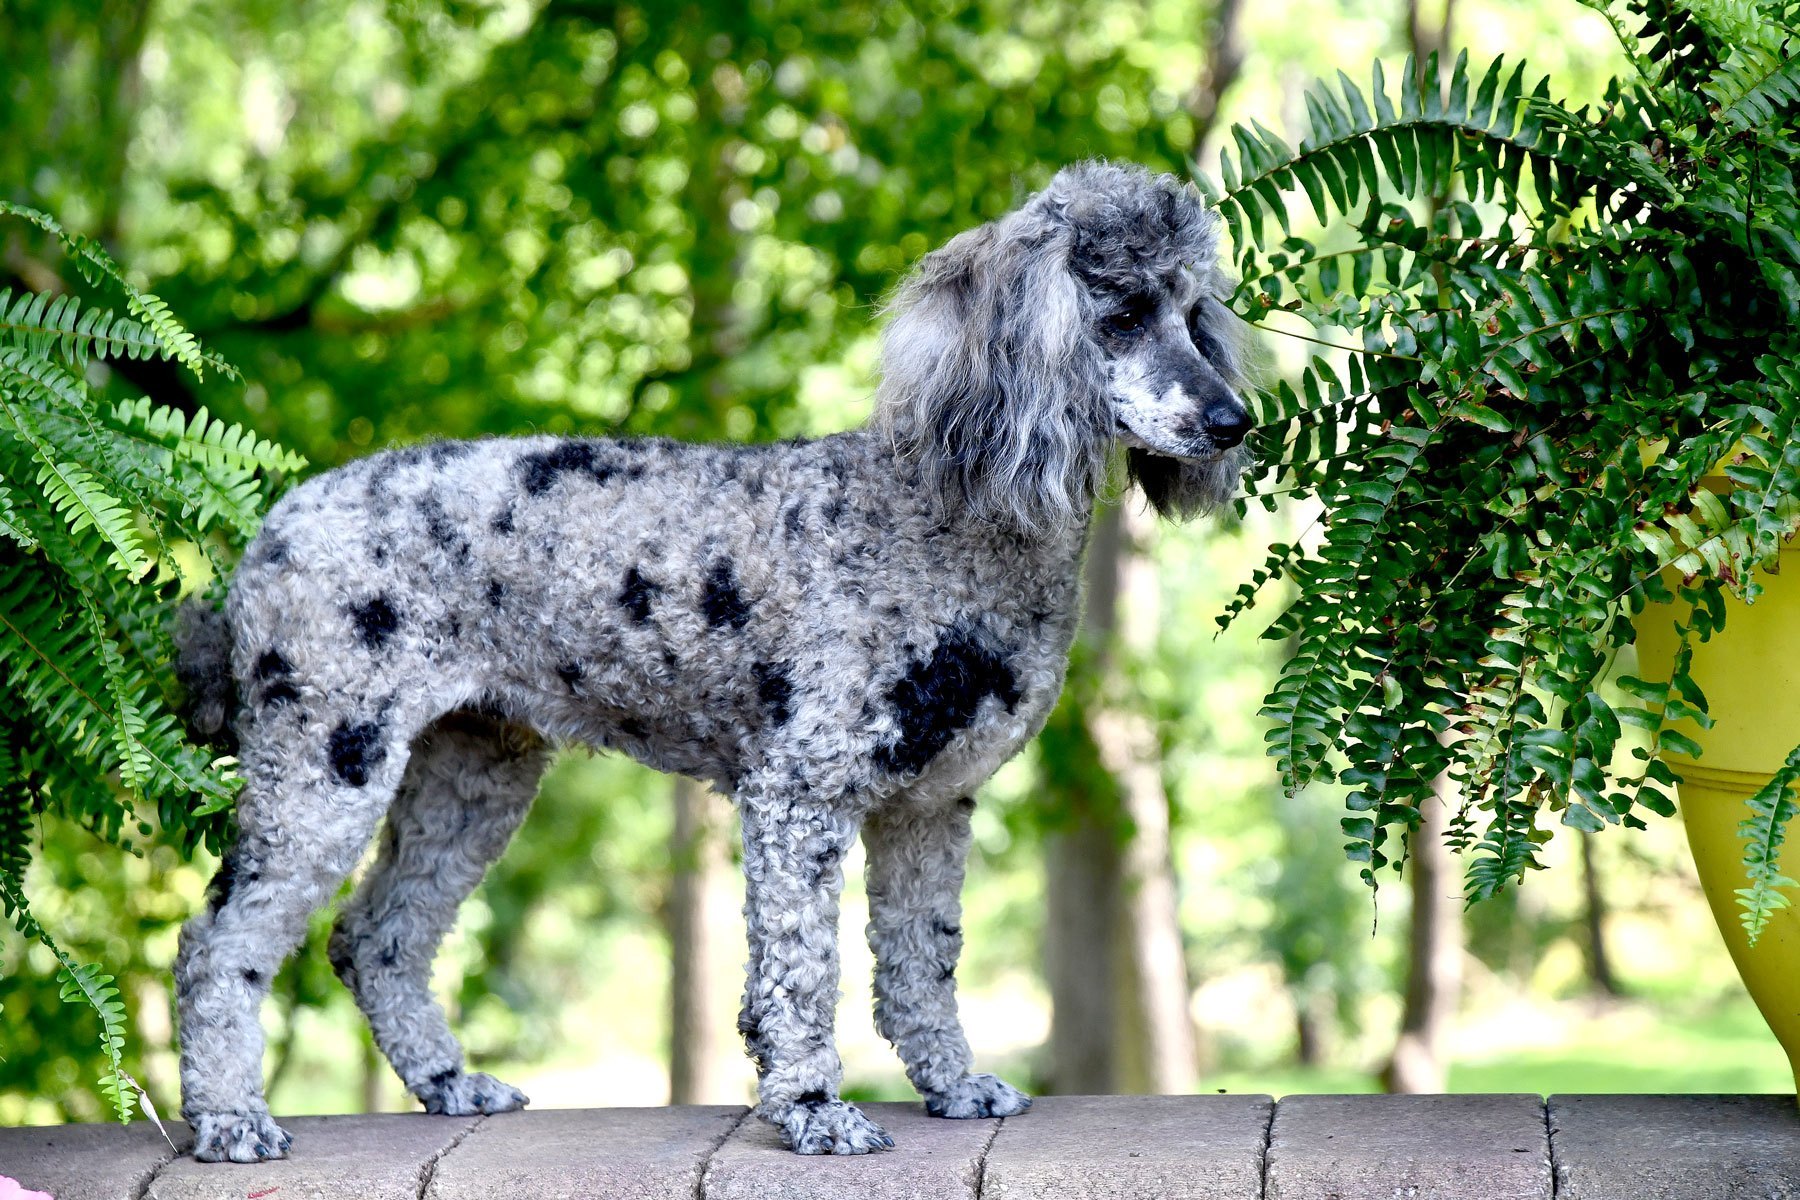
(952, 716)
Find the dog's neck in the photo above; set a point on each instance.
(1057, 548)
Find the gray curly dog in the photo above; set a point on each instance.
(846, 635)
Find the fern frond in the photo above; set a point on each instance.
(206, 439)
(43, 325)
(1764, 832)
(99, 269)
(125, 711)
(82, 983)
(84, 504)
(11, 525)
(1755, 83)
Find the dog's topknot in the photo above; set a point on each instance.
(1129, 223)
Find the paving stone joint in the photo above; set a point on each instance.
(1510, 1147)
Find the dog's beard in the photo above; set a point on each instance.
(1182, 488)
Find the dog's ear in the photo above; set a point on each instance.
(991, 383)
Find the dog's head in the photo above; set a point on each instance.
(1022, 351)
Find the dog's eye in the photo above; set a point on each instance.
(1130, 318)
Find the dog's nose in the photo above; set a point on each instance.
(1226, 422)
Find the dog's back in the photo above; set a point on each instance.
(680, 602)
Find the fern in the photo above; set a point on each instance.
(95, 496)
(1527, 294)
(43, 325)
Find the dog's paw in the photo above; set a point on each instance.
(977, 1096)
(238, 1137)
(831, 1127)
(455, 1094)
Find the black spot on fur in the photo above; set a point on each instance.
(380, 553)
(455, 627)
(570, 673)
(375, 620)
(775, 688)
(755, 1045)
(441, 528)
(540, 470)
(503, 521)
(636, 593)
(270, 665)
(444, 1077)
(443, 452)
(496, 592)
(946, 972)
(272, 669)
(252, 976)
(943, 928)
(939, 696)
(279, 692)
(341, 957)
(834, 511)
(795, 518)
(720, 601)
(967, 804)
(355, 746)
(274, 552)
(218, 892)
(631, 727)
(811, 1100)
(821, 864)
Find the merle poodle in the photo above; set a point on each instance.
(845, 635)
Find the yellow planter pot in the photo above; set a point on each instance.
(1750, 674)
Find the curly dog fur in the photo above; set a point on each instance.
(847, 635)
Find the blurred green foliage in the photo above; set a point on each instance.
(411, 218)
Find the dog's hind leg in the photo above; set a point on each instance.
(314, 791)
(467, 787)
(915, 874)
(794, 847)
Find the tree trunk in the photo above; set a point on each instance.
(1435, 938)
(1113, 955)
(706, 1063)
(373, 1076)
(1599, 956)
(1159, 1053)
(1084, 861)
(1309, 1039)
(1080, 963)
(1434, 947)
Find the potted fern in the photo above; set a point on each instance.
(97, 502)
(1553, 325)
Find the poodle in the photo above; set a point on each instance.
(846, 635)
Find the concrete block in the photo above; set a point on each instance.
(932, 1159)
(585, 1154)
(1409, 1147)
(1676, 1147)
(88, 1162)
(1131, 1148)
(383, 1156)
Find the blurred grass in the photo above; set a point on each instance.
(1628, 1046)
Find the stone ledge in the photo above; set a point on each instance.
(1116, 1147)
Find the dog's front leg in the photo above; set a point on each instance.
(916, 856)
(794, 850)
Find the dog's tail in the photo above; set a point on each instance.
(203, 665)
